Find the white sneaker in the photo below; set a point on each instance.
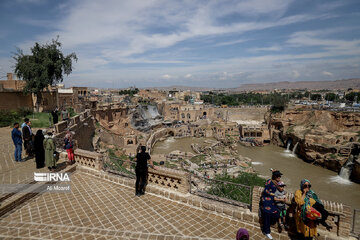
(268, 236)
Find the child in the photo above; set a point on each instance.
(280, 199)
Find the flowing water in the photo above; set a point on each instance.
(327, 184)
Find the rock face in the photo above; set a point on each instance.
(145, 118)
(322, 137)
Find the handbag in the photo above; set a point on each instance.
(312, 213)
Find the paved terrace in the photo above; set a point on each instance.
(101, 206)
(99, 209)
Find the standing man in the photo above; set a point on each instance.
(65, 115)
(54, 114)
(27, 136)
(24, 123)
(141, 171)
(16, 137)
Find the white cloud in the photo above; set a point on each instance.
(188, 75)
(327, 73)
(230, 42)
(272, 48)
(295, 74)
(166, 76)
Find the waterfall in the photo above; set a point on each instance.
(294, 149)
(288, 147)
(345, 171)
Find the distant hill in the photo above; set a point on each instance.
(182, 88)
(313, 85)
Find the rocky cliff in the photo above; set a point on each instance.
(324, 138)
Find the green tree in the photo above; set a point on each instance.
(352, 96)
(316, 97)
(187, 98)
(45, 66)
(330, 97)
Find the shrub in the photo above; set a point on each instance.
(8, 118)
(24, 111)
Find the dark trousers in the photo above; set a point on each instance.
(268, 220)
(324, 213)
(141, 180)
(28, 147)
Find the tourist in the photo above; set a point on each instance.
(39, 149)
(309, 211)
(27, 136)
(65, 115)
(269, 211)
(16, 137)
(55, 116)
(68, 142)
(141, 171)
(242, 234)
(24, 123)
(280, 200)
(50, 148)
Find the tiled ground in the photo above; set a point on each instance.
(12, 172)
(97, 209)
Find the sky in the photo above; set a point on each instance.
(220, 44)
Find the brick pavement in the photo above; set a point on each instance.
(12, 172)
(98, 209)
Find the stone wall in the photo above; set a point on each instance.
(89, 159)
(340, 215)
(83, 134)
(13, 100)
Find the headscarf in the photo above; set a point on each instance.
(309, 194)
(39, 138)
(241, 234)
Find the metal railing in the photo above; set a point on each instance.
(223, 191)
(119, 166)
(356, 223)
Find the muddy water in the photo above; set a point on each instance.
(327, 184)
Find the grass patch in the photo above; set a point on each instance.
(119, 163)
(290, 130)
(40, 120)
(198, 159)
(235, 192)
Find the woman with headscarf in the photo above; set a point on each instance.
(50, 148)
(39, 149)
(269, 211)
(242, 234)
(309, 211)
(69, 147)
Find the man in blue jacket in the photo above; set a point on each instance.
(16, 137)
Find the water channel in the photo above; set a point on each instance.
(327, 184)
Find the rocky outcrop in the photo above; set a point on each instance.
(322, 137)
(144, 118)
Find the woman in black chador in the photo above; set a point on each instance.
(39, 149)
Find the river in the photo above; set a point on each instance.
(327, 184)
